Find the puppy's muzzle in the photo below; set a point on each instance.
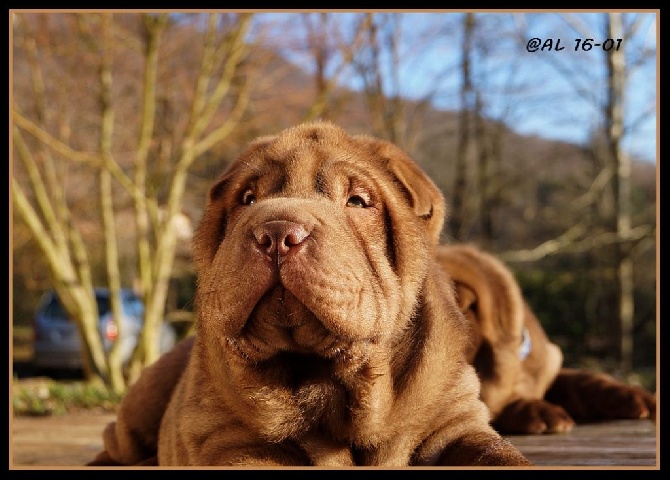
(279, 238)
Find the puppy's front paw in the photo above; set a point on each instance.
(618, 400)
(531, 417)
(594, 396)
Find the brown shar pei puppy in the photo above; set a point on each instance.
(327, 333)
(523, 383)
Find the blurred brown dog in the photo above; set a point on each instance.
(327, 332)
(523, 383)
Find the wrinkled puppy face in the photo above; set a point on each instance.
(314, 242)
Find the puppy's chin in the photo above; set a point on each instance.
(281, 324)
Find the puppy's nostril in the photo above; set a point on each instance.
(294, 237)
(264, 241)
(278, 237)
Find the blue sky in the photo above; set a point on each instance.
(552, 94)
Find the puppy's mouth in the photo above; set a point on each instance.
(280, 324)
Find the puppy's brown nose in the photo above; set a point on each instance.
(278, 237)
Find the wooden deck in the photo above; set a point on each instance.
(69, 442)
(621, 443)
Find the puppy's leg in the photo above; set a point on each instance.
(485, 449)
(324, 452)
(596, 396)
(133, 438)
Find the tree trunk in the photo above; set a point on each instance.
(621, 165)
(484, 177)
(460, 180)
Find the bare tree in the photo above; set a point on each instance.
(389, 48)
(609, 195)
(467, 109)
(621, 183)
(326, 42)
(215, 109)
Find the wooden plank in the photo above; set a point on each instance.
(619, 443)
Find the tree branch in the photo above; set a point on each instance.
(568, 243)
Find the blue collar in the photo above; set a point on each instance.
(525, 344)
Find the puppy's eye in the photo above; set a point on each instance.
(248, 198)
(356, 201)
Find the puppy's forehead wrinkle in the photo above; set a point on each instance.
(307, 168)
(320, 182)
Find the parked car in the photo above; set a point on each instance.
(57, 342)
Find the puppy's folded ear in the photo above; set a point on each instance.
(466, 297)
(486, 290)
(423, 195)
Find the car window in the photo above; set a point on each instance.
(55, 311)
(132, 304)
(103, 305)
(135, 307)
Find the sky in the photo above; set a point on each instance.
(555, 91)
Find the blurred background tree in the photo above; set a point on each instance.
(151, 196)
